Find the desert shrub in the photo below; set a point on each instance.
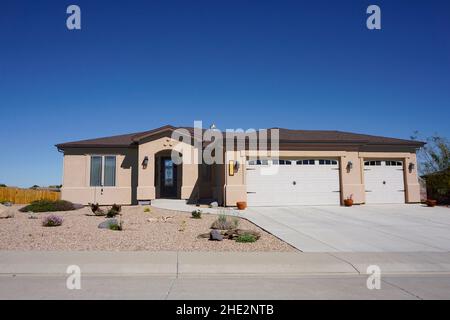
(94, 207)
(197, 214)
(116, 226)
(147, 209)
(246, 238)
(235, 222)
(112, 213)
(52, 221)
(222, 223)
(116, 207)
(48, 206)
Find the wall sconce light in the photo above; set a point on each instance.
(411, 167)
(231, 168)
(349, 166)
(236, 166)
(145, 163)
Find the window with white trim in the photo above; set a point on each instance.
(327, 162)
(306, 162)
(281, 162)
(103, 171)
(394, 163)
(372, 163)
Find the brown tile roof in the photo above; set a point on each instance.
(285, 135)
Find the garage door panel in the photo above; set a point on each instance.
(384, 183)
(294, 185)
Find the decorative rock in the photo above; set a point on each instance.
(4, 212)
(215, 235)
(105, 224)
(204, 235)
(214, 204)
(78, 206)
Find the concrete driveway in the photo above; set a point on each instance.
(366, 228)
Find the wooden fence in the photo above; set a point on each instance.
(24, 196)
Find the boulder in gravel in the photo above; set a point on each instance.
(78, 206)
(5, 212)
(204, 235)
(106, 224)
(215, 235)
(214, 204)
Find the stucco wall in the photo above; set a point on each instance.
(76, 177)
(146, 189)
(352, 181)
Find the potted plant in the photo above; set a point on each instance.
(431, 202)
(348, 202)
(241, 205)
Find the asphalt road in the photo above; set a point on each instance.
(407, 286)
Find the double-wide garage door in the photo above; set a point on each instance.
(293, 182)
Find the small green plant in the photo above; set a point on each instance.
(113, 211)
(246, 238)
(147, 209)
(116, 226)
(197, 214)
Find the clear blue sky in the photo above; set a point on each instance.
(137, 65)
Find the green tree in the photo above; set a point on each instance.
(434, 156)
(434, 165)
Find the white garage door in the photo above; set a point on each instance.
(384, 181)
(293, 182)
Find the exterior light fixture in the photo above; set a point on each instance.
(231, 164)
(349, 166)
(145, 163)
(236, 166)
(411, 167)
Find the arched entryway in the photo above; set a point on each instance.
(168, 176)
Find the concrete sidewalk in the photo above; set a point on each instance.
(186, 264)
(181, 205)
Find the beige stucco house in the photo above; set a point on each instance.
(307, 168)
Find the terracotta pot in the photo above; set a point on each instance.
(431, 203)
(348, 202)
(241, 205)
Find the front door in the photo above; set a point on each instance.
(168, 178)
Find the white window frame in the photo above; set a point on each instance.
(103, 156)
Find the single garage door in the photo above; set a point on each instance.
(293, 182)
(384, 181)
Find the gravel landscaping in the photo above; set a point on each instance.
(153, 231)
